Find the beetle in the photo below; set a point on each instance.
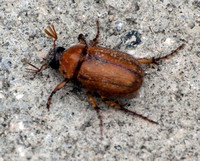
(108, 72)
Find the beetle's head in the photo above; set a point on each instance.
(54, 57)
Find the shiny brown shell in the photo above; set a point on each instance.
(109, 72)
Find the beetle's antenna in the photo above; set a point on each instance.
(52, 33)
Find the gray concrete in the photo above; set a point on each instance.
(170, 94)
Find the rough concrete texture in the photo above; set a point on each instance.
(170, 94)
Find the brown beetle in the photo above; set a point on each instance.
(109, 72)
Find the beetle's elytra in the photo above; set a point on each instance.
(106, 71)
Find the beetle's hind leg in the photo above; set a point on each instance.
(154, 60)
(116, 105)
(52, 33)
(97, 109)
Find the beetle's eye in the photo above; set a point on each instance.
(55, 62)
(59, 50)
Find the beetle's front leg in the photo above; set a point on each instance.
(154, 60)
(36, 70)
(116, 105)
(95, 41)
(62, 84)
(97, 109)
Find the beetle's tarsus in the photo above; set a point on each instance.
(95, 41)
(169, 55)
(138, 115)
(116, 105)
(97, 109)
(155, 60)
(48, 106)
(36, 70)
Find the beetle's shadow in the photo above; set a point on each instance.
(78, 91)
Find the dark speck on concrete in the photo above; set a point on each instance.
(132, 38)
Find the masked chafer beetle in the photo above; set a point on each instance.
(108, 72)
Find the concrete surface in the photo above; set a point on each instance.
(170, 94)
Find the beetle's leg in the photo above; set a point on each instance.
(62, 84)
(36, 70)
(94, 42)
(116, 105)
(97, 109)
(52, 33)
(154, 60)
